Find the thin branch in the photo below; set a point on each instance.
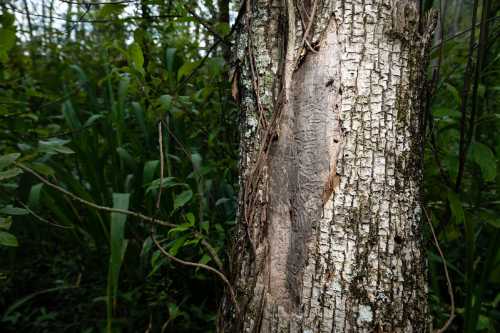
(198, 265)
(41, 218)
(147, 219)
(74, 197)
(200, 65)
(462, 33)
(447, 275)
(207, 26)
(305, 41)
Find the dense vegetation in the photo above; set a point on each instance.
(94, 96)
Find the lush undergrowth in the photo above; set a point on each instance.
(87, 97)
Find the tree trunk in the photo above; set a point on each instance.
(329, 216)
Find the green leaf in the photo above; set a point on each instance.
(5, 222)
(190, 218)
(7, 19)
(7, 39)
(43, 169)
(454, 92)
(169, 58)
(125, 157)
(182, 199)
(34, 197)
(177, 244)
(150, 168)
(11, 210)
(53, 146)
(70, 116)
(7, 160)
(109, 10)
(180, 228)
(186, 69)
(456, 207)
(494, 222)
(139, 114)
(92, 119)
(166, 102)
(446, 112)
(117, 235)
(135, 53)
(8, 239)
(10, 173)
(167, 182)
(485, 159)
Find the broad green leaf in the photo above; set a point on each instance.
(196, 160)
(454, 92)
(169, 59)
(180, 228)
(43, 169)
(456, 207)
(70, 116)
(34, 197)
(7, 39)
(92, 119)
(11, 210)
(190, 218)
(8, 239)
(168, 182)
(125, 157)
(139, 114)
(205, 259)
(118, 246)
(135, 53)
(53, 146)
(186, 69)
(10, 173)
(177, 244)
(122, 95)
(5, 222)
(446, 112)
(494, 222)
(150, 168)
(109, 10)
(182, 199)
(7, 19)
(166, 102)
(484, 157)
(117, 237)
(7, 160)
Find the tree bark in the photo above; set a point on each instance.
(329, 215)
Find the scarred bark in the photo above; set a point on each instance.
(329, 214)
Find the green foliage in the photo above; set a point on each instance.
(82, 109)
(465, 216)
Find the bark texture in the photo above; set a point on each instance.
(331, 151)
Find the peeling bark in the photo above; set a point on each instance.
(331, 152)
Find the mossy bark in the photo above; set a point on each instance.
(331, 150)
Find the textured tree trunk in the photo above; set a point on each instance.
(331, 156)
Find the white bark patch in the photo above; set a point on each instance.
(365, 315)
